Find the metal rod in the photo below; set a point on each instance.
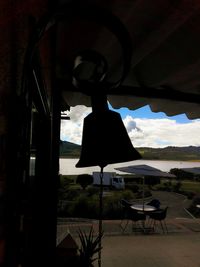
(143, 180)
(100, 214)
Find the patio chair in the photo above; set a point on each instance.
(132, 215)
(155, 203)
(159, 216)
(125, 212)
(126, 203)
(137, 217)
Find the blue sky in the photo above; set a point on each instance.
(145, 128)
(145, 112)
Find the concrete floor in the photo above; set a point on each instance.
(170, 250)
(179, 248)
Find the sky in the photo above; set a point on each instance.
(145, 128)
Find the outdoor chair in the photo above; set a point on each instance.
(126, 203)
(159, 216)
(137, 217)
(155, 203)
(132, 215)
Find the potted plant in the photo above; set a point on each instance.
(90, 245)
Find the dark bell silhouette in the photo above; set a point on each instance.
(105, 139)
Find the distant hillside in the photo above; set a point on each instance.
(171, 153)
(71, 150)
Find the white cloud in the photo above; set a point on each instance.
(163, 132)
(71, 130)
(142, 132)
(130, 125)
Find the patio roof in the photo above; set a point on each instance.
(165, 62)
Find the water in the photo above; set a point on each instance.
(67, 166)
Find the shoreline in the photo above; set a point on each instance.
(67, 166)
(178, 160)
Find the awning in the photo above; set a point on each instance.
(165, 64)
(165, 61)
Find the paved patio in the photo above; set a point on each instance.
(112, 228)
(179, 247)
(170, 250)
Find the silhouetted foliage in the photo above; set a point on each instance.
(89, 247)
(152, 180)
(181, 174)
(193, 207)
(84, 180)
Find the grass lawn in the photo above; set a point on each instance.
(191, 186)
(186, 185)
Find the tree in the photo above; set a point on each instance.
(181, 174)
(84, 180)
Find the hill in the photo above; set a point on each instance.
(171, 153)
(71, 150)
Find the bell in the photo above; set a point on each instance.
(105, 139)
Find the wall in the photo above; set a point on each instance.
(16, 20)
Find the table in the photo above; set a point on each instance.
(141, 207)
(144, 208)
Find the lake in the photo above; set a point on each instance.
(67, 166)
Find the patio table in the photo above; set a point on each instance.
(144, 208)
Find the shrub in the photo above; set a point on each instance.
(193, 208)
(71, 194)
(65, 208)
(84, 180)
(177, 186)
(127, 194)
(147, 193)
(181, 174)
(133, 187)
(152, 180)
(86, 207)
(85, 204)
(111, 208)
(92, 190)
(65, 180)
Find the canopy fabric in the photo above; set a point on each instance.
(145, 170)
(165, 65)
